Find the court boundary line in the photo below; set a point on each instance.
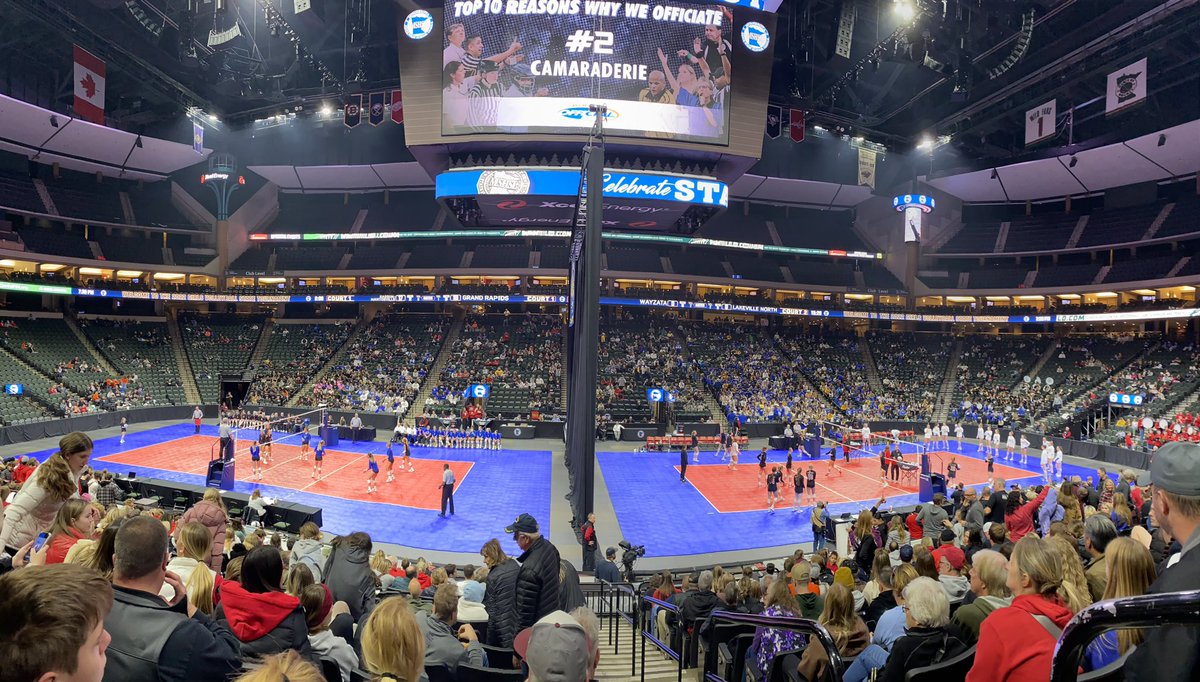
(697, 489)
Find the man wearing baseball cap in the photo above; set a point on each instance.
(537, 588)
(949, 561)
(1171, 652)
(556, 649)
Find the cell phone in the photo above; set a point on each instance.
(40, 542)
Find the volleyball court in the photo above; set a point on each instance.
(288, 466)
(854, 480)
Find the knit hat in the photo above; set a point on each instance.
(471, 590)
(844, 577)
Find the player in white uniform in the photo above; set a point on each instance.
(866, 436)
(1011, 444)
(1058, 455)
(1024, 449)
(928, 435)
(1047, 460)
(945, 436)
(996, 442)
(958, 436)
(987, 439)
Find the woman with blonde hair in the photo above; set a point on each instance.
(862, 539)
(298, 577)
(210, 511)
(849, 632)
(288, 666)
(198, 579)
(1122, 514)
(76, 520)
(45, 492)
(1074, 580)
(770, 641)
(1130, 570)
(393, 648)
(1017, 642)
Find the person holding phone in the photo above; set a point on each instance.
(53, 483)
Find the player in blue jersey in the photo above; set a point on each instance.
(255, 464)
(318, 455)
(391, 456)
(304, 449)
(373, 467)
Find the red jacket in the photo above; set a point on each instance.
(1013, 645)
(60, 544)
(915, 530)
(1020, 522)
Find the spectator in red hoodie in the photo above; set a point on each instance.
(24, 470)
(915, 531)
(264, 618)
(1019, 516)
(1017, 642)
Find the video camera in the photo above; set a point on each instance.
(631, 554)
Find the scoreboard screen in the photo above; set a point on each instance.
(663, 70)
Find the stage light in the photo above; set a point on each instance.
(326, 110)
(926, 143)
(818, 128)
(904, 9)
(213, 118)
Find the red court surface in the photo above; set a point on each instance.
(344, 474)
(738, 491)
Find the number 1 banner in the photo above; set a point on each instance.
(1040, 122)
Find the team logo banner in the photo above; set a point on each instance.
(352, 111)
(1040, 122)
(1126, 87)
(866, 167)
(378, 107)
(796, 125)
(397, 107)
(774, 121)
(197, 138)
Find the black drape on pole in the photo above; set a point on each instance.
(583, 335)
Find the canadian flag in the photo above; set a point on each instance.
(89, 86)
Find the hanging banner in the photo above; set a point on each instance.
(774, 121)
(1040, 122)
(866, 167)
(197, 138)
(352, 111)
(397, 107)
(378, 107)
(1126, 87)
(796, 125)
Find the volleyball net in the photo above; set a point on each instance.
(287, 430)
(835, 434)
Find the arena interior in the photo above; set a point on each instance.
(874, 286)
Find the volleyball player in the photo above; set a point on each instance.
(996, 441)
(883, 463)
(928, 435)
(1024, 449)
(979, 432)
(124, 429)
(373, 467)
(1011, 444)
(991, 465)
(734, 451)
(318, 455)
(952, 469)
(811, 482)
(846, 451)
(866, 436)
(762, 467)
(832, 458)
(1048, 461)
(789, 463)
(305, 436)
(945, 431)
(407, 463)
(391, 456)
(255, 464)
(1058, 455)
(265, 439)
(894, 469)
(958, 436)
(987, 439)
(721, 444)
(695, 448)
(772, 488)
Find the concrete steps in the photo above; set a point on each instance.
(431, 377)
(190, 390)
(319, 375)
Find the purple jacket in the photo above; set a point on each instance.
(1050, 511)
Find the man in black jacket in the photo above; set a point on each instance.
(537, 589)
(698, 606)
(153, 639)
(608, 570)
(1173, 652)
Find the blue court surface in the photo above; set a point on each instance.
(501, 485)
(673, 519)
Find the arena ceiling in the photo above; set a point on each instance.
(943, 72)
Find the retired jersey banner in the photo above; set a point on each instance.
(1126, 87)
(352, 111)
(1040, 122)
(774, 121)
(397, 107)
(866, 167)
(378, 107)
(197, 138)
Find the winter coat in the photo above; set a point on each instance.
(811, 604)
(920, 646)
(215, 520)
(956, 586)
(500, 601)
(970, 616)
(815, 660)
(265, 623)
(880, 605)
(471, 611)
(349, 577)
(537, 591)
(60, 544)
(1013, 645)
(31, 512)
(308, 552)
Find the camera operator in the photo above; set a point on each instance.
(632, 552)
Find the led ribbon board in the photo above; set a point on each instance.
(546, 196)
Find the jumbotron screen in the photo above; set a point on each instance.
(664, 70)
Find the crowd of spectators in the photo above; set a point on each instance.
(639, 352)
(989, 367)
(834, 364)
(911, 369)
(294, 354)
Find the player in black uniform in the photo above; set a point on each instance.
(762, 466)
(797, 492)
(773, 479)
(811, 481)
